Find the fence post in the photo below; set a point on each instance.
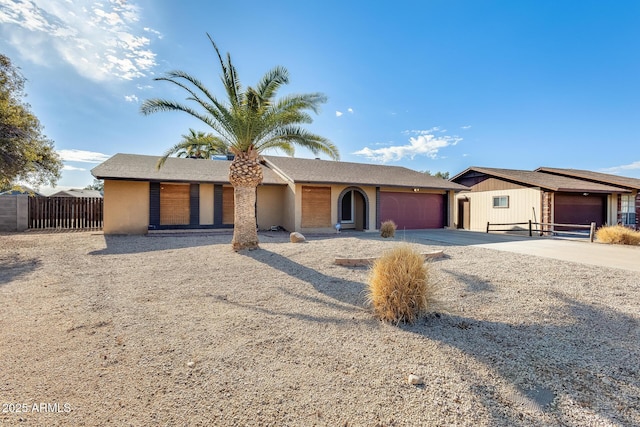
(592, 232)
(487, 227)
(530, 230)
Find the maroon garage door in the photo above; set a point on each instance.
(412, 210)
(579, 209)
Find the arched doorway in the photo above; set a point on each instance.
(353, 209)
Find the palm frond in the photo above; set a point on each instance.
(250, 118)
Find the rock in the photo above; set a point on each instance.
(296, 237)
(191, 364)
(414, 380)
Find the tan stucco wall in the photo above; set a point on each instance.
(126, 207)
(271, 206)
(335, 193)
(291, 199)
(522, 204)
(206, 204)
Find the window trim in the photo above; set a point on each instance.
(499, 206)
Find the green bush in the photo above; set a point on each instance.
(388, 229)
(399, 287)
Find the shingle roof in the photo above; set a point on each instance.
(543, 180)
(276, 170)
(76, 192)
(143, 168)
(318, 171)
(604, 178)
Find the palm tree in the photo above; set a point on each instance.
(249, 121)
(197, 145)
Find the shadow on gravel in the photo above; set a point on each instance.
(544, 361)
(122, 244)
(345, 291)
(13, 267)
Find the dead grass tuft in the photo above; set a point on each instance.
(399, 287)
(618, 234)
(388, 229)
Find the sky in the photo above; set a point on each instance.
(432, 85)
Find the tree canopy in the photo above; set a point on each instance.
(196, 145)
(443, 175)
(26, 154)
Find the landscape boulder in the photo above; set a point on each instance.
(296, 237)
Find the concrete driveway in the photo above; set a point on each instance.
(574, 250)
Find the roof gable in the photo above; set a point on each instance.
(318, 171)
(546, 181)
(603, 178)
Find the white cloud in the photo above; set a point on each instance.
(465, 127)
(131, 98)
(339, 113)
(72, 168)
(82, 156)
(350, 110)
(425, 143)
(623, 168)
(102, 40)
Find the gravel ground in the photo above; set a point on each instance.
(181, 331)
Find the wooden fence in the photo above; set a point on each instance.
(547, 228)
(71, 213)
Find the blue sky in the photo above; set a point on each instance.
(435, 85)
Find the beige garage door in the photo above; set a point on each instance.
(174, 204)
(316, 207)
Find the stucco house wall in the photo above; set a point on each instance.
(126, 207)
(271, 208)
(206, 204)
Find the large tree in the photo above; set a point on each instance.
(25, 153)
(196, 145)
(249, 121)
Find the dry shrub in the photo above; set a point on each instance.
(399, 287)
(388, 229)
(618, 234)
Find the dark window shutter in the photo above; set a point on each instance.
(217, 204)
(194, 204)
(154, 204)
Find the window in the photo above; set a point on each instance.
(501, 202)
(628, 210)
(347, 207)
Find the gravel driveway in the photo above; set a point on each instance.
(181, 331)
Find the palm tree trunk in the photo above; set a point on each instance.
(245, 233)
(245, 174)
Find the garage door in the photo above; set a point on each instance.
(412, 210)
(316, 207)
(579, 209)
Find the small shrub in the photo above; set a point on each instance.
(388, 229)
(618, 234)
(399, 287)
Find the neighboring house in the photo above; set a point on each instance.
(21, 190)
(307, 195)
(627, 207)
(74, 192)
(501, 196)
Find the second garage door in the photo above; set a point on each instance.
(412, 210)
(579, 209)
